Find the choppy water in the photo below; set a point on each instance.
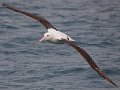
(27, 65)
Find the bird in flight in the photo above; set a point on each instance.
(57, 37)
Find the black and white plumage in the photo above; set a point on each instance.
(55, 36)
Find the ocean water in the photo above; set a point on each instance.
(26, 64)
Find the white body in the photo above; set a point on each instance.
(55, 36)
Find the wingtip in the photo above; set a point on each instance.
(115, 84)
(4, 5)
(1, 4)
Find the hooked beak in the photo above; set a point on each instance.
(42, 39)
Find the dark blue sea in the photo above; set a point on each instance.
(26, 64)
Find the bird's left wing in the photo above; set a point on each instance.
(43, 21)
(87, 57)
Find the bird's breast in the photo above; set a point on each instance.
(57, 37)
(56, 41)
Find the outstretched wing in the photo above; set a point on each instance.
(87, 57)
(38, 18)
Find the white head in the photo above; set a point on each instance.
(46, 37)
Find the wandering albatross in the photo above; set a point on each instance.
(55, 36)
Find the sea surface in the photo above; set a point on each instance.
(26, 64)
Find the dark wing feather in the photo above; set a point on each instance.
(38, 18)
(86, 56)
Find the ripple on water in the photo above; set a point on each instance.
(25, 65)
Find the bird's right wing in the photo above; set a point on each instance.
(87, 57)
(43, 21)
